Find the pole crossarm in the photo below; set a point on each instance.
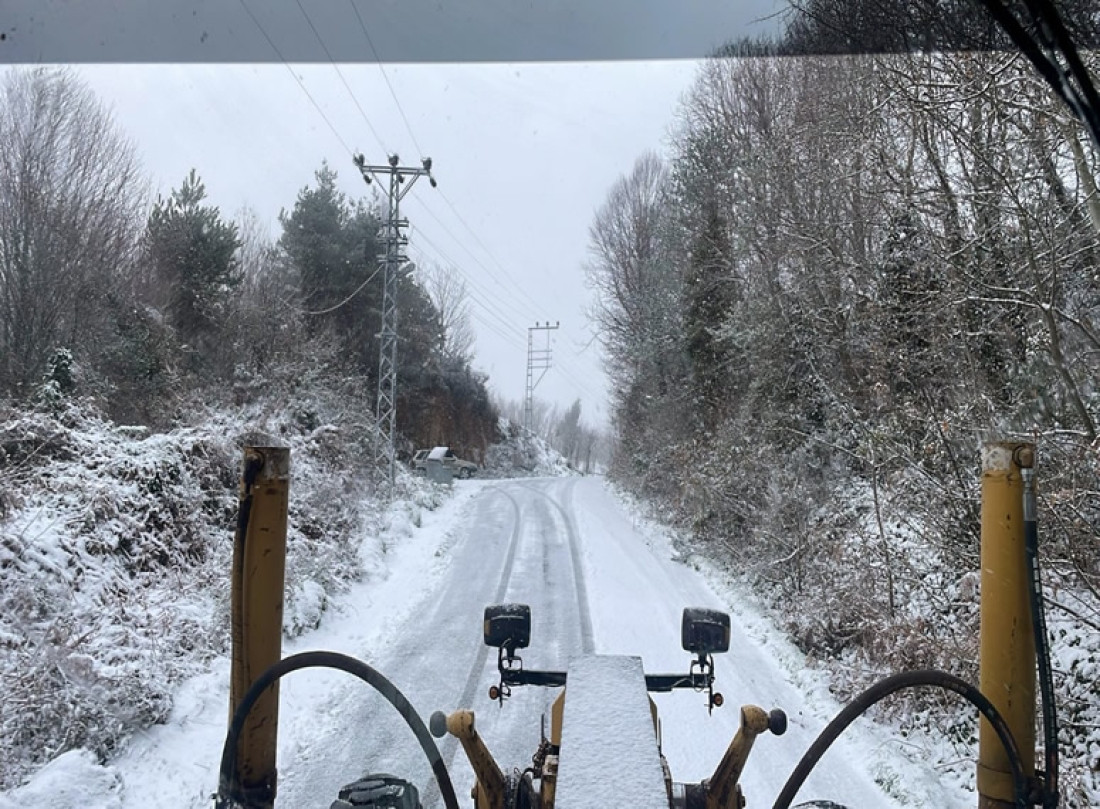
(398, 180)
(538, 359)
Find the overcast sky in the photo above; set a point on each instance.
(524, 154)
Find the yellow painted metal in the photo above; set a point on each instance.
(259, 565)
(723, 791)
(557, 711)
(490, 788)
(1007, 640)
(548, 788)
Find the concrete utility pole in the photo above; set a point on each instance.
(538, 359)
(400, 180)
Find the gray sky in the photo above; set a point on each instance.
(524, 155)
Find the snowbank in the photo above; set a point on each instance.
(522, 454)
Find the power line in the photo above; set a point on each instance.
(493, 328)
(570, 374)
(573, 375)
(582, 386)
(378, 62)
(450, 262)
(484, 247)
(286, 64)
(446, 199)
(537, 308)
(483, 303)
(340, 73)
(507, 328)
(499, 325)
(346, 300)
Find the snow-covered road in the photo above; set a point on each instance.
(568, 548)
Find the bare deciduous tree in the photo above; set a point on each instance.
(448, 292)
(71, 204)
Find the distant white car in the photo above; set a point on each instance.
(462, 468)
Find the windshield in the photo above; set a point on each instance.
(777, 270)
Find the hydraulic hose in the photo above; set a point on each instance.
(883, 689)
(333, 660)
(1042, 645)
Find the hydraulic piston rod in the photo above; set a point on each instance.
(1007, 638)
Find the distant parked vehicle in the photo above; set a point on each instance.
(462, 468)
(419, 460)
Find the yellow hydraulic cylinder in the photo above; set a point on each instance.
(489, 793)
(723, 790)
(259, 566)
(1007, 640)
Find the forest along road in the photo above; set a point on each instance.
(566, 547)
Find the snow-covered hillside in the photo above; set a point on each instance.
(521, 454)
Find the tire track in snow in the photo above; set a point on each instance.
(449, 747)
(588, 645)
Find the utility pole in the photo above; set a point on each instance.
(400, 180)
(538, 359)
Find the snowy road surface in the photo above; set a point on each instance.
(566, 547)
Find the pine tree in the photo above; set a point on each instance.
(192, 254)
(333, 246)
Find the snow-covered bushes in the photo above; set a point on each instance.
(115, 547)
(873, 569)
(108, 552)
(521, 454)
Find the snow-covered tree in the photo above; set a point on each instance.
(70, 213)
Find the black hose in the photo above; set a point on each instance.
(1083, 101)
(1042, 646)
(1046, 17)
(883, 689)
(333, 660)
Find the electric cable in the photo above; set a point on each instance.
(483, 246)
(1042, 646)
(446, 259)
(481, 298)
(346, 300)
(485, 302)
(884, 688)
(339, 73)
(227, 781)
(426, 207)
(378, 62)
(492, 273)
(290, 70)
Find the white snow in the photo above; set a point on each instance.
(71, 779)
(607, 729)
